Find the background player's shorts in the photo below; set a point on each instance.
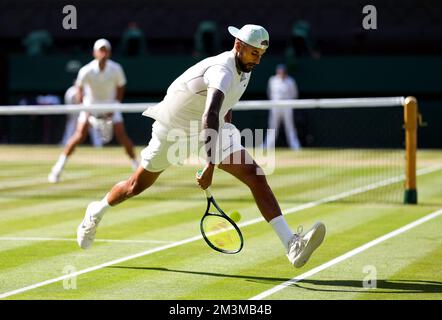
(162, 152)
(116, 118)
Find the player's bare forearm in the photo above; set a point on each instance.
(120, 93)
(210, 124)
(210, 120)
(79, 94)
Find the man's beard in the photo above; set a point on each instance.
(245, 67)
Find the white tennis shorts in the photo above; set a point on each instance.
(116, 118)
(163, 151)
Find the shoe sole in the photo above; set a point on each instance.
(316, 238)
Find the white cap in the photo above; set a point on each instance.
(252, 34)
(102, 43)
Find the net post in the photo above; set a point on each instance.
(410, 120)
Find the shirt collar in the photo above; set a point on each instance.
(96, 67)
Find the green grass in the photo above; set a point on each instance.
(407, 266)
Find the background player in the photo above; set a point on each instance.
(281, 86)
(100, 81)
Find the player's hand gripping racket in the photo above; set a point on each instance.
(219, 230)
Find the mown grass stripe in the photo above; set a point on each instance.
(195, 238)
(347, 255)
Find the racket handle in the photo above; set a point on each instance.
(206, 191)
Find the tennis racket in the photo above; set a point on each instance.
(218, 230)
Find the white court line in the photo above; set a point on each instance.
(347, 255)
(42, 180)
(199, 237)
(72, 239)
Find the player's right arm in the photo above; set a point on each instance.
(219, 80)
(210, 122)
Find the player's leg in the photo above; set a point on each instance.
(154, 160)
(290, 129)
(242, 166)
(298, 247)
(139, 181)
(71, 125)
(77, 138)
(123, 138)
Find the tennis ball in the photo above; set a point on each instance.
(235, 216)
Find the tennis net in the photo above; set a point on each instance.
(353, 149)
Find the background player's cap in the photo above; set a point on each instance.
(102, 43)
(252, 34)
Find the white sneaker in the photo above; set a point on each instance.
(54, 176)
(88, 227)
(301, 246)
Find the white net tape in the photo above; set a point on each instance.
(242, 105)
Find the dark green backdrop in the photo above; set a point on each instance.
(340, 76)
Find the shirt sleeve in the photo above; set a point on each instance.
(218, 77)
(121, 77)
(295, 90)
(81, 78)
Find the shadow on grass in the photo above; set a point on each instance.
(211, 274)
(382, 286)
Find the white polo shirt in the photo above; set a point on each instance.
(185, 100)
(100, 86)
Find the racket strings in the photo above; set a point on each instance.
(221, 233)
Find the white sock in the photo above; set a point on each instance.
(102, 206)
(59, 165)
(282, 229)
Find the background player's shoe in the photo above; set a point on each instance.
(88, 227)
(301, 246)
(54, 176)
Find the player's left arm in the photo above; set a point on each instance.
(120, 83)
(120, 93)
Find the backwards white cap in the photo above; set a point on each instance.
(252, 34)
(102, 43)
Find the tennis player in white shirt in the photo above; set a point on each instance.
(280, 87)
(205, 94)
(99, 82)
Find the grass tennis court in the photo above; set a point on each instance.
(157, 233)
